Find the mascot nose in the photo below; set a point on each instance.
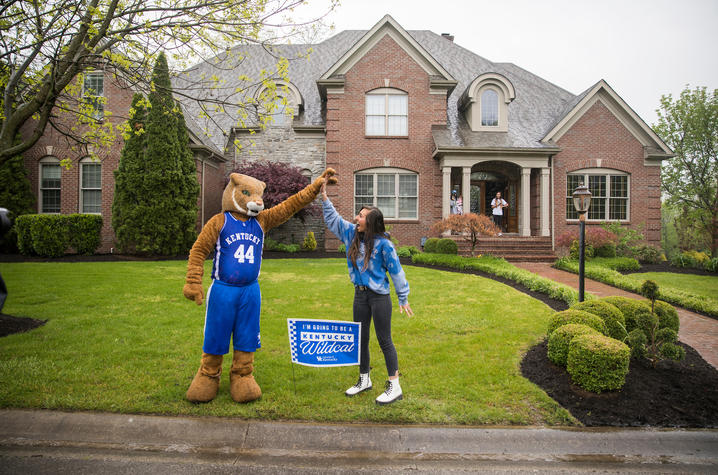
(259, 202)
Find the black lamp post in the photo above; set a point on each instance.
(581, 201)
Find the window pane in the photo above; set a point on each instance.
(91, 175)
(618, 208)
(375, 125)
(386, 205)
(407, 208)
(398, 125)
(571, 212)
(94, 84)
(50, 201)
(597, 185)
(407, 185)
(398, 104)
(572, 182)
(91, 201)
(50, 175)
(375, 104)
(619, 186)
(597, 210)
(385, 185)
(360, 202)
(489, 108)
(364, 185)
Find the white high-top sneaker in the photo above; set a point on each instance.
(391, 393)
(363, 384)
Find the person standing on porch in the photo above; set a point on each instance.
(497, 209)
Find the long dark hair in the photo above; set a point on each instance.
(374, 228)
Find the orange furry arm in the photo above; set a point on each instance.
(200, 250)
(276, 215)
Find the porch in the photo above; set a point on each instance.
(511, 247)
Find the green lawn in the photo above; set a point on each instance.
(121, 337)
(705, 285)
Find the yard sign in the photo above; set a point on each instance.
(324, 342)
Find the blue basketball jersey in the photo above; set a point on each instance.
(238, 255)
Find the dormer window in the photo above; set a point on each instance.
(485, 103)
(279, 104)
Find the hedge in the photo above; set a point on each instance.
(611, 315)
(560, 339)
(598, 363)
(51, 235)
(569, 316)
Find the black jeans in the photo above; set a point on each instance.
(368, 305)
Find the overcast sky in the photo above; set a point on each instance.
(642, 48)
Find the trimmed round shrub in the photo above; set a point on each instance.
(667, 315)
(447, 246)
(611, 315)
(598, 363)
(84, 232)
(637, 341)
(310, 242)
(576, 316)
(560, 339)
(607, 250)
(431, 245)
(630, 309)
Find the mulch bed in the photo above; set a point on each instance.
(674, 394)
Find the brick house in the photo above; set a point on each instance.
(406, 117)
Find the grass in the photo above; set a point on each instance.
(121, 337)
(705, 285)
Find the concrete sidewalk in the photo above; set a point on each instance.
(58, 442)
(697, 331)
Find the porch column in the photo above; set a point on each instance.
(545, 200)
(445, 191)
(466, 188)
(525, 202)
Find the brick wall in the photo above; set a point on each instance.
(349, 150)
(598, 139)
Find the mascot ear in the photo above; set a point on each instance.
(235, 178)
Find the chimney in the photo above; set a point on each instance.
(448, 36)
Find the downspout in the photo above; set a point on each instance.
(553, 204)
(202, 192)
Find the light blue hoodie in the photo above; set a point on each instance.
(383, 258)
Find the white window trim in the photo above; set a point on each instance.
(44, 161)
(386, 92)
(100, 113)
(388, 171)
(83, 162)
(499, 115)
(286, 91)
(607, 173)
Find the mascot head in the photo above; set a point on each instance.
(243, 195)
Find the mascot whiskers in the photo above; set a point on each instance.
(233, 299)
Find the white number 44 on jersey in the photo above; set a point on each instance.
(241, 256)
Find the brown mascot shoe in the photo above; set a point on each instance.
(205, 384)
(242, 385)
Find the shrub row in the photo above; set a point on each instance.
(51, 235)
(501, 268)
(611, 277)
(272, 245)
(441, 246)
(695, 260)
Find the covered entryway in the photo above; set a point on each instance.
(486, 180)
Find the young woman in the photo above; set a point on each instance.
(370, 256)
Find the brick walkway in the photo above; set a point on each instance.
(696, 330)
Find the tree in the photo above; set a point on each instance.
(689, 125)
(46, 45)
(282, 182)
(15, 196)
(156, 209)
(469, 225)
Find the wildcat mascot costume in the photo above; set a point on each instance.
(233, 298)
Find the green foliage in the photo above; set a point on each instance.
(598, 363)
(649, 289)
(502, 268)
(447, 246)
(627, 237)
(342, 248)
(431, 245)
(646, 253)
(636, 341)
(50, 235)
(656, 337)
(588, 250)
(612, 316)
(558, 342)
(310, 242)
(16, 196)
(607, 250)
(667, 315)
(155, 209)
(689, 125)
(621, 264)
(630, 308)
(571, 315)
(407, 251)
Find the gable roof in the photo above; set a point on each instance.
(602, 92)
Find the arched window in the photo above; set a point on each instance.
(489, 108)
(610, 194)
(278, 105)
(393, 191)
(50, 185)
(90, 186)
(387, 112)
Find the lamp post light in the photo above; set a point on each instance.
(581, 201)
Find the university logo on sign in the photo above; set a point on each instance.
(324, 342)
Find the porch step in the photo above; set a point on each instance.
(510, 247)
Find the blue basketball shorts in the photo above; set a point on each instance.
(232, 311)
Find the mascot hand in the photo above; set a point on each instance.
(328, 176)
(193, 292)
